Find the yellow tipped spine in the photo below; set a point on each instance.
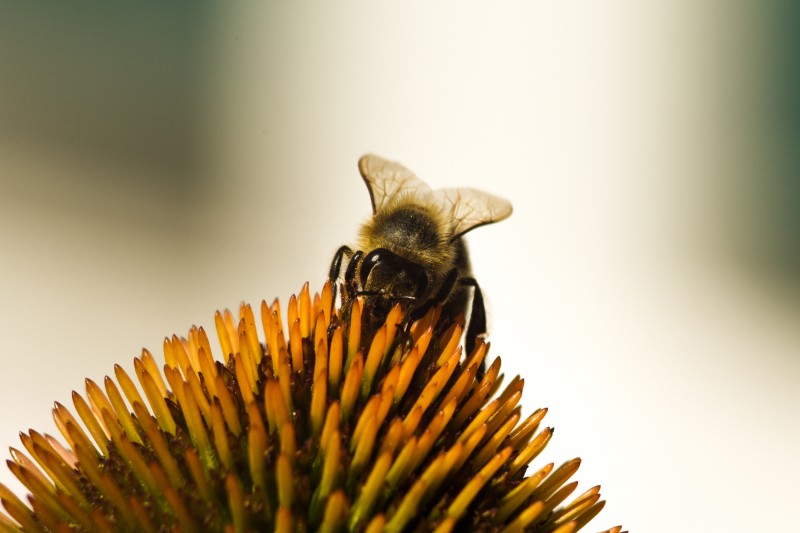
(373, 360)
(354, 333)
(386, 426)
(91, 423)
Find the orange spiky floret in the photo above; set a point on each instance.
(331, 424)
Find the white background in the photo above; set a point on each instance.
(628, 287)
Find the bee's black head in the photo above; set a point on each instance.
(395, 278)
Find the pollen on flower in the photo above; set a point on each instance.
(327, 422)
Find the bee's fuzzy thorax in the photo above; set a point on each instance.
(414, 228)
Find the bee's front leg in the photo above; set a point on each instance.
(350, 283)
(336, 267)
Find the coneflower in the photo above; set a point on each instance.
(324, 423)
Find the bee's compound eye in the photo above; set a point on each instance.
(421, 279)
(369, 262)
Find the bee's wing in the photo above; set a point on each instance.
(385, 179)
(470, 208)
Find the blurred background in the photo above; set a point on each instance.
(159, 163)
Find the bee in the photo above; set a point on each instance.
(411, 250)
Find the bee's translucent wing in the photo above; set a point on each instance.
(385, 179)
(470, 208)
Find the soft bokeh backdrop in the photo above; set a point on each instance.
(159, 163)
